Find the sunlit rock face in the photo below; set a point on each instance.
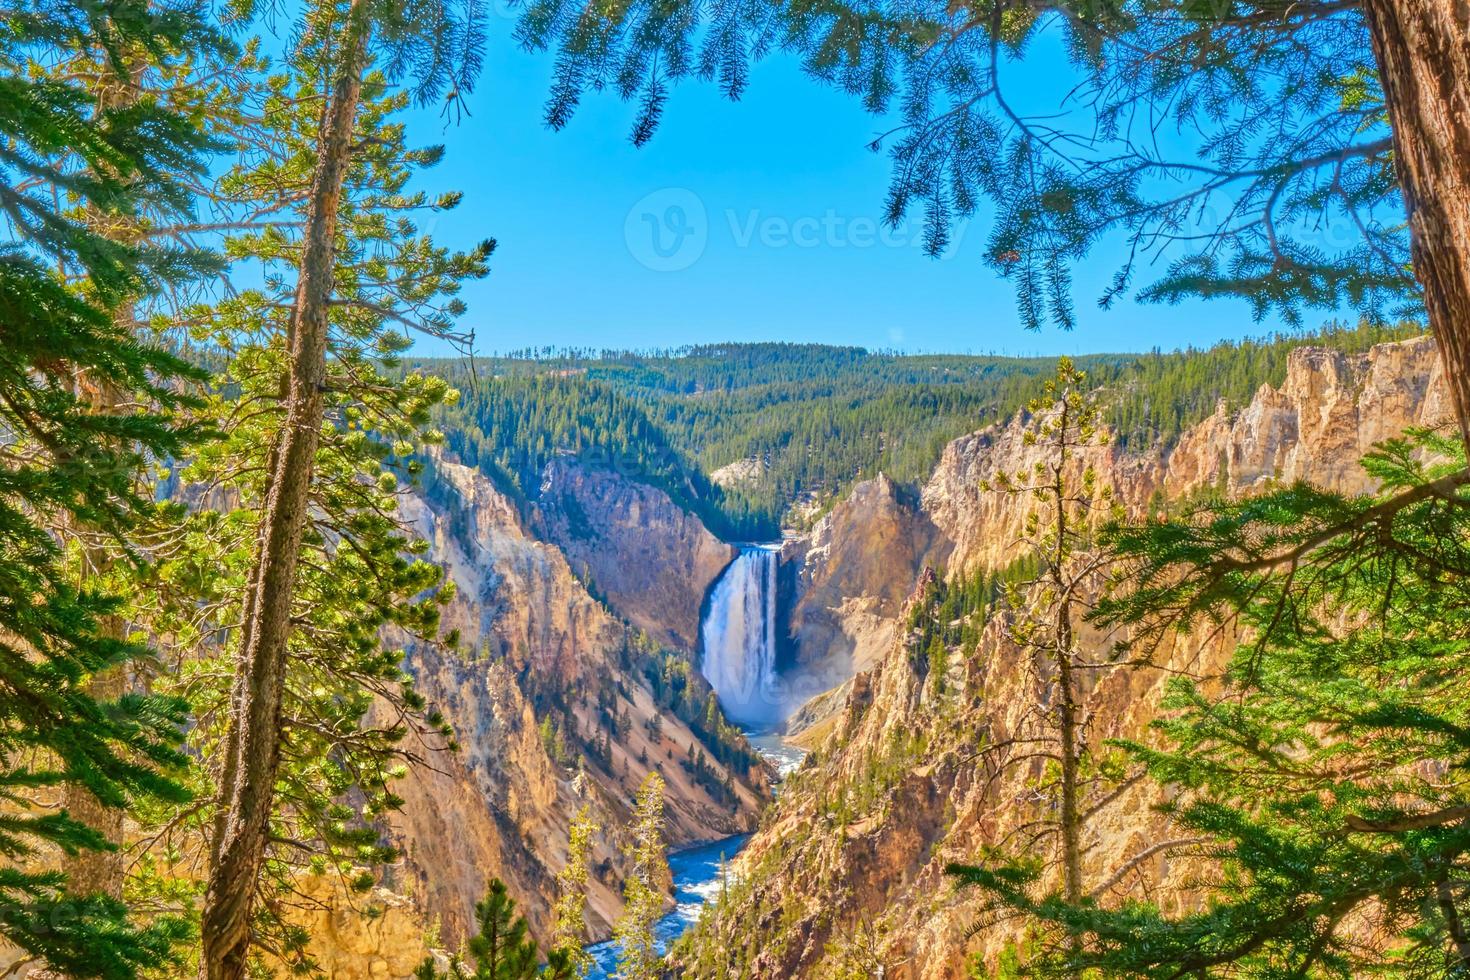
(850, 576)
(902, 761)
(1330, 410)
(348, 945)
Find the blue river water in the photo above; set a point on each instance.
(697, 871)
(696, 880)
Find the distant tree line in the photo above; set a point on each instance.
(815, 419)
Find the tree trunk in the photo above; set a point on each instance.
(1071, 815)
(90, 872)
(252, 747)
(1454, 925)
(1423, 53)
(1071, 808)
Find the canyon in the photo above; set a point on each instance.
(578, 605)
(532, 637)
(848, 870)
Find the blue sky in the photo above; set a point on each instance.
(766, 216)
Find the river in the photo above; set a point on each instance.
(697, 870)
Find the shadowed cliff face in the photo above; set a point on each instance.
(853, 571)
(535, 644)
(652, 561)
(852, 855)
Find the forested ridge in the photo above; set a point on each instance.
(815, 418)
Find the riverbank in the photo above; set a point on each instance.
(698, 876)
(700, 872)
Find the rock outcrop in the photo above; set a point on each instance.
(848, 868)
(852, 573)
(537, 654)
(347, 944)
(1330, 410)
(741, 473)
(651, 560)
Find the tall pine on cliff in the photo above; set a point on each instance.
(70, 155)
(304, 579)
(1328, 778)
(1316, 123)
(1043, 617)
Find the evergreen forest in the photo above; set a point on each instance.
(814, 419)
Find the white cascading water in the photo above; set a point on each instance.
(739, 635)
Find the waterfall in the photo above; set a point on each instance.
(739, 636)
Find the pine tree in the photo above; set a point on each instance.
(340, 311)
(1327, 777)
(1044, 612)
(712, 715)
(938, 662)
(502, 948)
(858, 952)
(568, 914)
(643, 900)
(193, 77)
(70, 461)
(53, 732)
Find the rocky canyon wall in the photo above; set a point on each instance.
(535, 644)
(1330, 410)
(848, 869)
(651, 560)
(861, 560)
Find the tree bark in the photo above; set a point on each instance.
(252, 747)
(91, 872)
(1454, 925)
(1423, 52)
(1071, 809)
